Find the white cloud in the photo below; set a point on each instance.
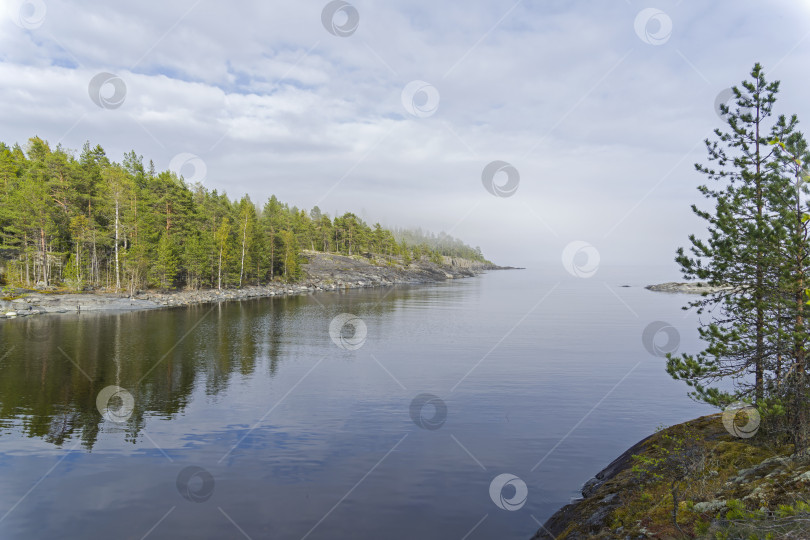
(593, 118)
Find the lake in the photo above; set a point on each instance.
(469, 409)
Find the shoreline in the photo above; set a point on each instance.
(759, 479)
(323, 272)
(560, 521)
(606, 492)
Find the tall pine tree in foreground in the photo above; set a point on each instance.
(756, 330)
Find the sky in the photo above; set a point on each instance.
(538, 130)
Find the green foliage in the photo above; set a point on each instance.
(87, 221)
(736, 510)
(757, 243)
(168, 261)
(798, 508)
(787, 521)
(441, 244)
(677, 455)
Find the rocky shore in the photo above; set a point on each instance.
(589, 515)
(323, 272)
(695, 287)
(736, 488)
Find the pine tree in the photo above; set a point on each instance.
(292, 265)
(741, 249)
(87, 221)
(789, 387)
(168, 260)
(222, 237)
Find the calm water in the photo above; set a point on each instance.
(545, 378)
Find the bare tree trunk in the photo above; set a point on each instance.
(219, 275)
(44, 256)
(244, 241)
(272, 253)
(27, 265)
(94, 262)
(674, 489)
(117, 274)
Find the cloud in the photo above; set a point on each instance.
(603, 127)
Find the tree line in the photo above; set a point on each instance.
(442, 243)
(89, 222)
(756, 332)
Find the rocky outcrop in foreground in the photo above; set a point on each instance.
(735, 488)
(695, 287)
(583, 515)
(323, 272)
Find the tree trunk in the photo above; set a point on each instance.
(800, 392)
(272, 253)
(117, 274)
(94, 263)
(44, 256)
(800, 397)
(219, 275)
(244, 240)
(27, 265)
(759, 368)
(674, 488)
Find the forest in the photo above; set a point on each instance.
(88, 222)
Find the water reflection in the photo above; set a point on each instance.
(301, 435)
(55, 365)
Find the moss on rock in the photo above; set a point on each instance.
(739, 488)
